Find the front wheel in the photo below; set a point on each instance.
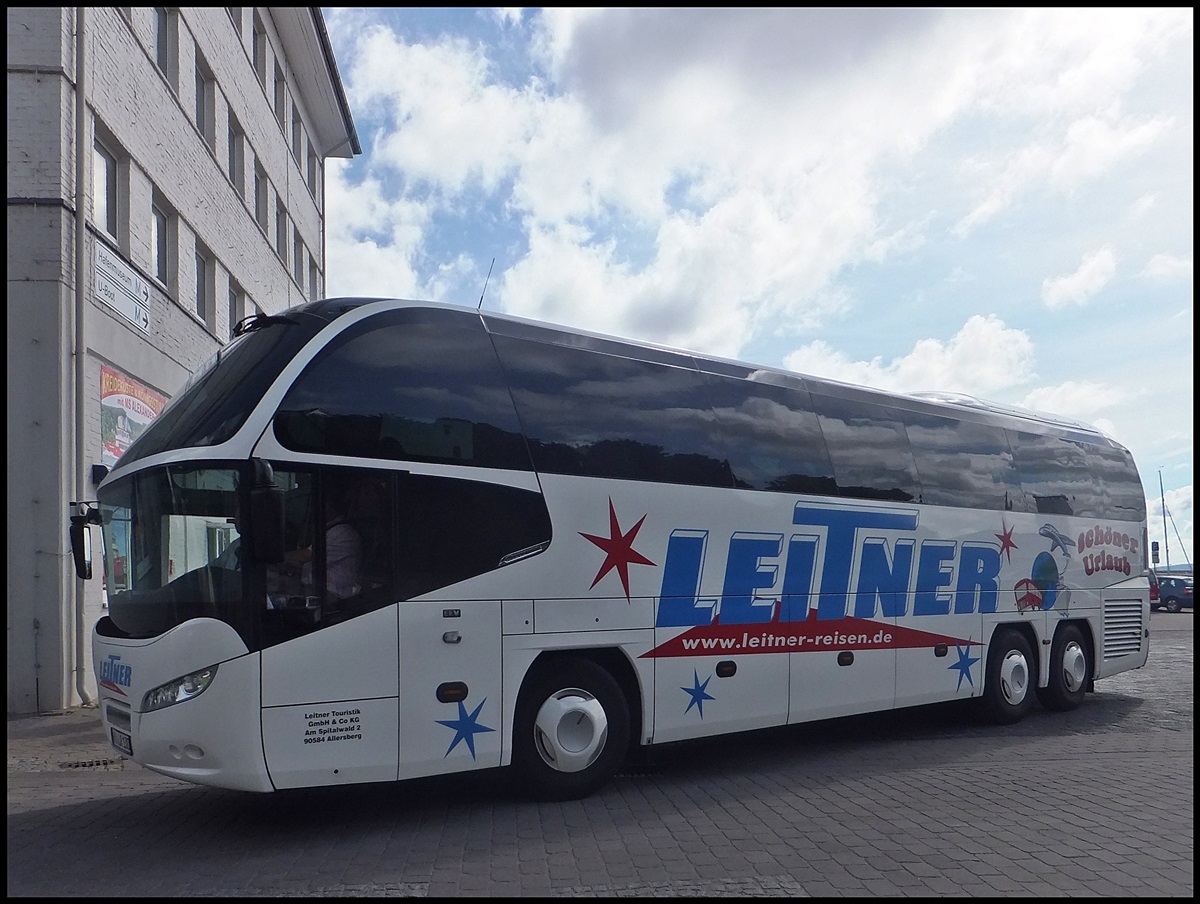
(1069, 671)
(1008, 689)
(571, 730)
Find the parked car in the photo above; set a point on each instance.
(1174, 593)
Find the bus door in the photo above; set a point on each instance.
(450, 686)
(698, 695)
(329, 703)
(717, 668)
(328, 630)
(845, 661)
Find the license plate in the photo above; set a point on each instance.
(122, 742)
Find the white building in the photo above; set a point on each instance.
(165, 178)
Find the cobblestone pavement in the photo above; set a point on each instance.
(1096, 802)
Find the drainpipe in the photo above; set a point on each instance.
(81, 171)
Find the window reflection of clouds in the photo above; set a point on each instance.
(965, 464)
(578, 398)
(422, 372)
(769, 440)
(1118, 474)
(868, 447)
(597, 407)
(1054, 469)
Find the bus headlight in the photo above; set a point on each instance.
(178, 690)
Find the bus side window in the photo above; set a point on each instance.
(370, 512)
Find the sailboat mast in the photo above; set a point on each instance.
(1166, 541)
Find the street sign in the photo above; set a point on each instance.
(1153, 552)
(120, 287)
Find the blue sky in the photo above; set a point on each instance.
(989, 201)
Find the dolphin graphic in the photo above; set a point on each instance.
(1058, 540)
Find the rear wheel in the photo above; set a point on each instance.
(1070, 669)
(1008, 690)
(571, 730)
(1173, 605)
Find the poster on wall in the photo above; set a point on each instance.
(126, 409)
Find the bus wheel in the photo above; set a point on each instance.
(1069, 670)
(1008, 690)
(571, 730)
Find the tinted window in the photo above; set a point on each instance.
(770, 436)
(1125, 498)
(869, 449)
(217, 401)
(450, 530)
(962, 463)
(413, 385)
(1056, 474)
(602, 415)
(361, 539)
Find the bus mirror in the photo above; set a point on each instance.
(266, 516)
(81, 546)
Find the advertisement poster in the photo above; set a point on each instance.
(126, 409)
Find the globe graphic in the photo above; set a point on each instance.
(1045, 575)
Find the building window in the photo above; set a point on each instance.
(237, 305)
(166, 43)
(314, 279)
(260, 51)
(206, 101)
(237, 155)
(313, 164)
(235, 16)
(280, 97)
(104, 189)
(163, 229)
(260, 195)
(297, 135)
(281, 230)
(298, 258)
(206, 277)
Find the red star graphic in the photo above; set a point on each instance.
(1006, 542)
(618, 549)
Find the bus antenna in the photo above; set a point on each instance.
(485, 282)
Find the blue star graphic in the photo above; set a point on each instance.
(698, 693)
(965, 661)
(465, 727)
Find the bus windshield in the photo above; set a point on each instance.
(172, 548)
(217, 401)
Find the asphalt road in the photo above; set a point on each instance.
(1096, 802)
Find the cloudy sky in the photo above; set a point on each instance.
(994, 202)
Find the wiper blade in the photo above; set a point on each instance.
(258, 321)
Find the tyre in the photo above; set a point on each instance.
(571, 730)
(1008, 689)
(1070, 669)
(1173, 605)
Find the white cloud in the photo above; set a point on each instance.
(1142, 206)
(1093, 274)
(1094, 144)
(1080, 400)
(1166, 267)
(847, 183)
(983, 358)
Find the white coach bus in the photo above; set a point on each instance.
(381, 539)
